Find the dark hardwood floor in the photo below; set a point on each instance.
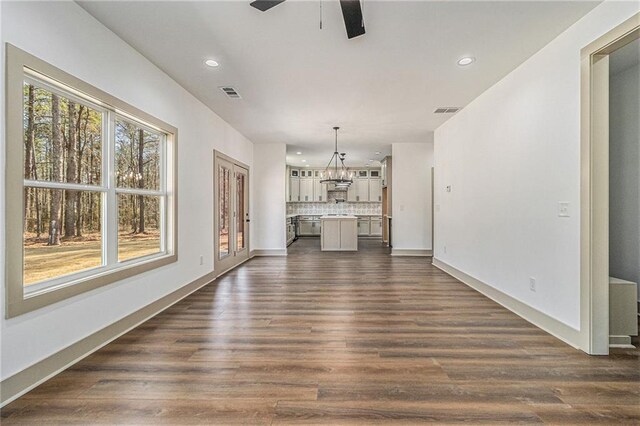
(337, 338)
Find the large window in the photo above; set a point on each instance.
(95, 183)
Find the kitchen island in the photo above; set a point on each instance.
(339, 233)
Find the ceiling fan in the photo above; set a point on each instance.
(351, 11)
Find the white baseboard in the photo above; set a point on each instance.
(620, 342)
(22, 382)
(541, 320)
(268, 252)
(411, 252)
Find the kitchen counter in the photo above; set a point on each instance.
(339, 233)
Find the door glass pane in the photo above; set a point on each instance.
(240, 213)
(62, 233)
(139, 226)
(62, 138)
(224, 203)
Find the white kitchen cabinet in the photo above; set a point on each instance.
(352, 193)
(294, 189)
(303, 185)
(339, 233)
(362, 189)
(364, 227)
(376, 226)
(306, 189)
(375, 189)
(384, 171)
(319, 190)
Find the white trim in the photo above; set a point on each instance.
(411, 252)
(623, 342)
(63, 185)
(268, 252)
(541, 320)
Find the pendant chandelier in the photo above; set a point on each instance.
(337, 174)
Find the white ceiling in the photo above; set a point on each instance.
(297, 81)
(625, 57)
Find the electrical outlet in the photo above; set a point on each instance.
(202, 260)
(563, 209)
(532, 284)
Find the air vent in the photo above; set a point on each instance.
(230, 92)
(446, 110)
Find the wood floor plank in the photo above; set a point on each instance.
(337, 338)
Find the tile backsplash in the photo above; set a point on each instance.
(334, 208)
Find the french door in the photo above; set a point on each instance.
(231, 183)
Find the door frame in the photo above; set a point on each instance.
(594, 190)
(217, 155)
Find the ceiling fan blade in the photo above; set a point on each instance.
(352, 13)
(264, 5)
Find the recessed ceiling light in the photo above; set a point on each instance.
(467, 60)
(299, 153)
(377, 152)
(304, 161)
(307, 165)
(371, 161)
(211, 63)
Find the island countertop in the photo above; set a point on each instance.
(338, 217)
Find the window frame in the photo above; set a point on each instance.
(21, 66)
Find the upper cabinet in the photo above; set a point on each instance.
(362, 174)
(385, 171)
(375, 189)
(319, 190)
(303, 185)
(306, 189)
(294, 189)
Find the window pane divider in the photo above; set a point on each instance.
(110, 236)
(135, 191)
(63, 185)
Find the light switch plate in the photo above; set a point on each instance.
(563, 209)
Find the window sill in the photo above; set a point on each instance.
(46, 296)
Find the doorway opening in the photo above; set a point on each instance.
(231, 213)
(601, 191)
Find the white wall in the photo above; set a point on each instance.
(624, 184)
(269, 207)
(510, 156)
(411, 195)
(66, 36)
